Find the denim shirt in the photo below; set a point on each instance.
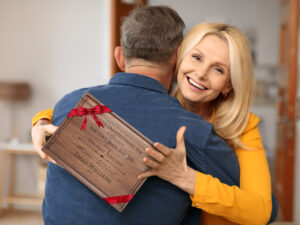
(144, 103)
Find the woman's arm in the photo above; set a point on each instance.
(41, 128)
(45, 114)
(249, 204)
(254, 195)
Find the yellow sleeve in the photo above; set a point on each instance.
(45, 114)
(249, 204)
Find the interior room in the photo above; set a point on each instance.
(50, 48)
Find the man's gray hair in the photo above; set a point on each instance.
(152, 33)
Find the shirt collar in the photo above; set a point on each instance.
(138, 80)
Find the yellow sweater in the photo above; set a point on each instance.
(249, 204)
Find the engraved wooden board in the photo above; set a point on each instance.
(106, 159)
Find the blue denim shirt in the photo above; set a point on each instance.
(144, 103)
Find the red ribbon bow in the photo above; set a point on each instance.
(118, 199)
(81, 111)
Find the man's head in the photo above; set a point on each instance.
(152, 33)
(150, 37)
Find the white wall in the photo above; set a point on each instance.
(262, 16)
(55, 45)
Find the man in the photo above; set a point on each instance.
(150, 38)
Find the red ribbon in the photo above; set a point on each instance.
(98, 109)
(118, 199)
(81, 111)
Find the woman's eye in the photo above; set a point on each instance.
(219, 70)
(196, 57)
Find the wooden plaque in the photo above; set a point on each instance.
(106, 159)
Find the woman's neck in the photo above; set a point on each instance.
(202, 109)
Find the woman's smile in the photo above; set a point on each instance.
(194, 85)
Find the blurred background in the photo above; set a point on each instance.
(49, 48)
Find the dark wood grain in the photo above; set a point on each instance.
(106, 159)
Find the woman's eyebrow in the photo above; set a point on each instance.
(222, 64)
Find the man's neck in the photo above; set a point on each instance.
(156, 71)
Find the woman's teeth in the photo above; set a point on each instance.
(196, 84)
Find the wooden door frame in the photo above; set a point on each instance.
(287, 92)
(119, 9)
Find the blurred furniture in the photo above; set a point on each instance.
(9, 152)
(13, 93)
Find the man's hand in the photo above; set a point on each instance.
(39, 131)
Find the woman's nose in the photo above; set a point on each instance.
(201, 72)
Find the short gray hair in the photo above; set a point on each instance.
(152, 33)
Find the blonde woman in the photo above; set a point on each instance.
(215, 80)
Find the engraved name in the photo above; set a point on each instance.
(92, 166)
(99, 172)
(81, 158)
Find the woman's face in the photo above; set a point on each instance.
(205, 70)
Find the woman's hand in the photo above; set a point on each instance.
(170, 164)
(39, 131)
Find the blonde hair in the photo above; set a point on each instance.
(231, 112)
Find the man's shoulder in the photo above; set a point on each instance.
(69, 99)
(66, 103)
(198, 130)
(192, 119)
(77, 94)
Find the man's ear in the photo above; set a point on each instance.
(120, 58)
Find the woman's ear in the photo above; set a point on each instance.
(120, 58)
(227, 90)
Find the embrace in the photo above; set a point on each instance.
(214, 169)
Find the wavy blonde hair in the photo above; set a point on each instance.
(231, 112)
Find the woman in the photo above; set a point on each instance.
(215, 80)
